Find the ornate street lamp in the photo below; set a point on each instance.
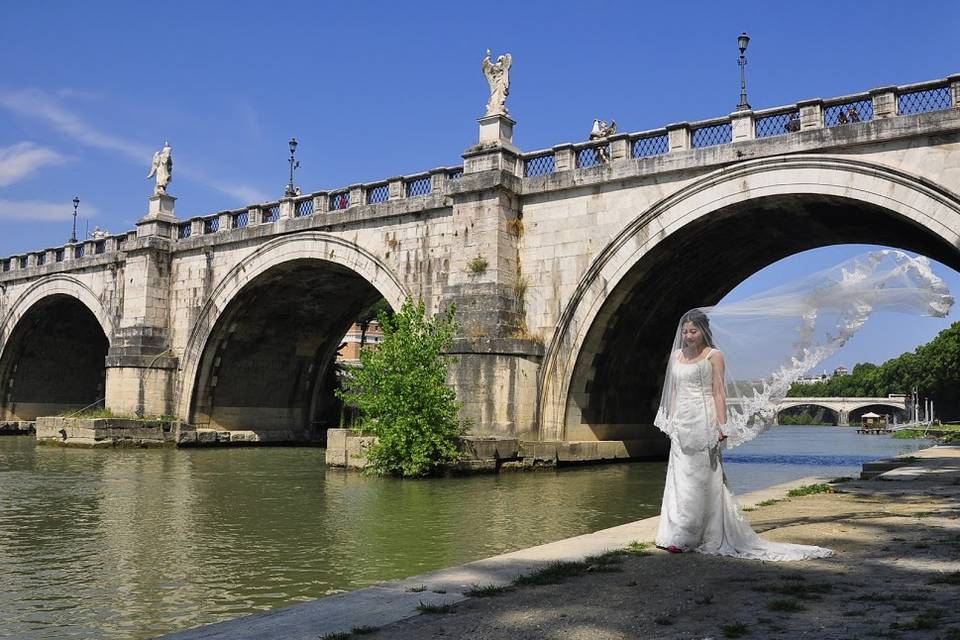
(742, 43)
(76, 203)
(291, 191)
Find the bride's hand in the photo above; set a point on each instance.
(722, 436)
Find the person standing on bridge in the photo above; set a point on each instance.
(771, 340)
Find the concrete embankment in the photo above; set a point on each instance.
(895, 574)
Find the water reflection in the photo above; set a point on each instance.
(136, 543)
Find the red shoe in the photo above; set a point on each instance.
(671, 549)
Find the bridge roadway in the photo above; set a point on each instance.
(562, 264)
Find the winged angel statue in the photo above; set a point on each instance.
(162, 168)
(498, 77)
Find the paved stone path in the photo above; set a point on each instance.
(896, 575)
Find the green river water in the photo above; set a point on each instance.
(134, 543)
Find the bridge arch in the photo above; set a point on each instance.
(53, 345)
(300, 261)
(60, 284)
(835, 412)
(764, 210)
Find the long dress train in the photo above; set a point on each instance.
(699, 512)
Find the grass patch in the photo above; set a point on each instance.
(363, 631)
(553, 573)
(637, 549)
(487, 591)
(946, 578)
(419, 589)
(785, 605)
(435, 608)
(734, 630)
(608, 562)
(810, 489)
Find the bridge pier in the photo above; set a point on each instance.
(497, 358)
(141, 368)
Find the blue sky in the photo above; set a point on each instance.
(376, 89)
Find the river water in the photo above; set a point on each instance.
(134, 543)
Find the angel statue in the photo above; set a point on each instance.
(498, 77)
(600, 131)
(162, 168)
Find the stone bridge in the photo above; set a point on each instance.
(844, 407)
(569, 268)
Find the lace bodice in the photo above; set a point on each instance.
(694, 380)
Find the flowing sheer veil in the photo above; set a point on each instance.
(770, 339)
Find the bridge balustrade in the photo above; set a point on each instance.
(592, 155)
(924, 99)
(271, 213)
(847, 111)
(378, 193)
(539, 165)
(778, 123)
(646, 146)
(419, 186)
(712, 134)
(884, 102)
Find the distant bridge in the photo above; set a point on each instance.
(843, 407)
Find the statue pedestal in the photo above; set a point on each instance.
(160, 218)
(495, 149)
(161, 206)
(497, 129)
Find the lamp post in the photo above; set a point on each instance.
(76, 203)
(291, 191)
(742, 43)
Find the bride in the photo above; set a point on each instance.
(699, 511)
(773, 339)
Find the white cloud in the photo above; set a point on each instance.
(243, 193)
(38, 211)
(38, 105)
(22, 159)
(32, 103)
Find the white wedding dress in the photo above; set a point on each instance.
(699, 512)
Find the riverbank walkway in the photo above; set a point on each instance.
(896, 574)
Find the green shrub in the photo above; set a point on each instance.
(401, 393)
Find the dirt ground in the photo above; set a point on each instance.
(896, 574)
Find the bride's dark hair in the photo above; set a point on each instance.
(701, 322)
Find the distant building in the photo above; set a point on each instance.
(350, 352)
(841, 371)
(823, 377)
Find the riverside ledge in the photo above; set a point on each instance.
(392, 602)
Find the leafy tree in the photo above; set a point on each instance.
(401, 392)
